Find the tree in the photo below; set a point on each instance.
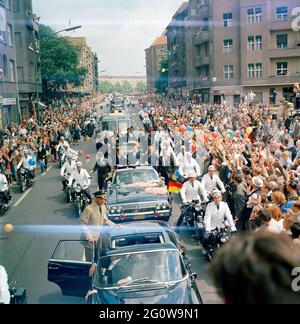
(60, 63)
(127, 87)
(141, 87)
(161, 83)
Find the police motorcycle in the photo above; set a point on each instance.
(18, 296)
(4, 205)
(26, 179)
(79, 199)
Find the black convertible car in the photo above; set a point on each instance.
(136, 264)
(138, 193)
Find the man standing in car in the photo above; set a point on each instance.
(93, 218)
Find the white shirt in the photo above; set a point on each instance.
(25, 162)
(275, 227)
(62, 145)
(4, 289)
(68, 168)
(215, 218)
(190, 192)
(211, 184)
(189, 166)
(81, 178)
(181, 157)
(70, 152)
(3, 183)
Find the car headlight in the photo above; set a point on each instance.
(113, 210)
(165, 206)
(158, 207)
(197, 208)
(119, 210)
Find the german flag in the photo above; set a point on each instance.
(174, 186)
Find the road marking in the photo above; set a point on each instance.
(23, 197)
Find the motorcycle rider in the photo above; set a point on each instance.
(4, 288)
(62, 144)
(68, 151)
(217, 215)
(24, 161)
(81, 177)
(190, 192)
(67, 169)
(211, 181)
(4, 189)
(187, 166)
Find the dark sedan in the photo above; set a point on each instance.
(136, 264)
(138, 193)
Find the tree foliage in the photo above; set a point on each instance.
(161, 83)
(59, 62)
(121, 87)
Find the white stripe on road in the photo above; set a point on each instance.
(28, 191)
(23, 197)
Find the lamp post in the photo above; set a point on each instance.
(37, 52)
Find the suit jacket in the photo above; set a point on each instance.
(240, 200)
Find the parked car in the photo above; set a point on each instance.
(138, 193)
(138, 263)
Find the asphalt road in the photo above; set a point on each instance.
(41, 218)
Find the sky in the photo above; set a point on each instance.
(118, 30)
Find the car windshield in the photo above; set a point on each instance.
(114, 125)
(144, 178)
(139, 269)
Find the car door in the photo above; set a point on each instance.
(69, 268)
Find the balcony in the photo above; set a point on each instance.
(284, 52)
(201, 38)
(201, 61)
(286, 79)
(277, 25)
(203, 82)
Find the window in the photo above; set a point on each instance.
(18, 40)
(282, 13)
(12, 76)
(254, 15)
(251, 43)
(259, 69)
(228, 72)
(20, 74)
(282, 68)
(255, 71)
(251, 71)
(282, 41)
(227, 17)
(228, 45)
(258, 43)
(16, 5)
(5, 70)
(9, 35)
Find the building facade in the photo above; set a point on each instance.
(87, 60)
(177, 51)
(96, 73)
(241, 45)
(154, 55)
(26, 25)
(9, 108)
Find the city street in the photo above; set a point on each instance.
(42, 218)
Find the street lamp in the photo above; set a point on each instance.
(37, 52)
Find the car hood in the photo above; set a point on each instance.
(132, 195)
(179, 294)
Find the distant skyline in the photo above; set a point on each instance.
(118, 30)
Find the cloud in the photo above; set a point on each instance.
(118, 30)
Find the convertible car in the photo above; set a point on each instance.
(138, 263)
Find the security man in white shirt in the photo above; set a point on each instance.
(67, 169)
(189, 165)
(4, 189)
(4, 288)
(25, 159)
(217, 216)
(211, 181)
(81, 177)
(62, 144)
(190, 192)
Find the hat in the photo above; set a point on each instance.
(100, 194)
(255, 199)
(79, 164)
(212, 168)
(216, 193)
(192, 175)
(258, 182)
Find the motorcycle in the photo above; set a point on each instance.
(80, 200)
(3, 205)
(18, 296)
(26, 181)
(218, 237)
(60, 154)
(194, 217)
(67, 189)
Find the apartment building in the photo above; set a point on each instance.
(177, 51)
(154, 55)
(240, 45)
